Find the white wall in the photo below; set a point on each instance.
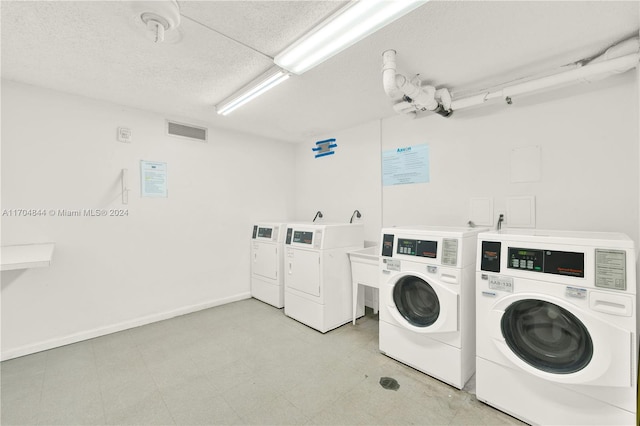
(588, 137)
(340, 183)
(190, 251)
(167, 257)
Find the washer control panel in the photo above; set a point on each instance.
(525, 259)
(548, 261)
(419, 248)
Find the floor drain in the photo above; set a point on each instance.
(389, 383)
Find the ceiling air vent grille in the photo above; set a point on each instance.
(186, 131)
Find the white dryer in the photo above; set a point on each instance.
(317, 273)
(267, 263)
(557, 326)
(427, 307)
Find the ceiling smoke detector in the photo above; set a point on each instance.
(157, 18)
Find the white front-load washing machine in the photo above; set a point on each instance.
(557, 326)
(427, 307)
(267, 263)
(318, 275)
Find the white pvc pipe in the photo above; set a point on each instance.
(469, 101)
(621, 64)
(389, 73)
(623, 48)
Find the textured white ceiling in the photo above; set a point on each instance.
(94, 48)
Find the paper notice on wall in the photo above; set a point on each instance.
(405, 165)
(153, 177)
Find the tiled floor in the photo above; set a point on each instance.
(241, 363)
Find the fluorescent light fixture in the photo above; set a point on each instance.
(341, 30)
(258, 86)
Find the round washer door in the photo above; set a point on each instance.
(416, 301)
(423, 306)
(546, 336)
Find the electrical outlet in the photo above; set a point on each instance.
(503, 214)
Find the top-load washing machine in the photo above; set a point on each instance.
(317, 273)
(427, 307)
(557, 326)
(267, 262)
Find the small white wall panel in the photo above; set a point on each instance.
(521, 212)
(481, 211)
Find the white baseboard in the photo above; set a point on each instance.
(97, 332)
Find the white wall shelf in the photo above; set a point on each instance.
(25, 256)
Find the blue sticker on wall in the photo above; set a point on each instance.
(325, 147)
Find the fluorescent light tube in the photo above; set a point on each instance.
(343, 29)
(264, 82)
